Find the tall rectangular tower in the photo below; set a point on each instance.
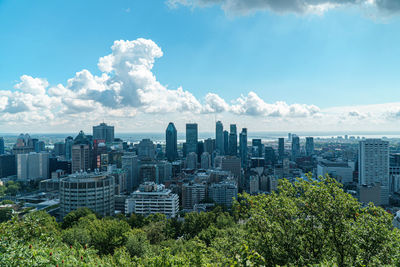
(191, 138)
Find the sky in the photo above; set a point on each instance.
(268, 65)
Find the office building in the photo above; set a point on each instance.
(309, 146)
(269, 155)
(281, 148)
(341, 171)
(223, 192)
(191, 138)
(69, 142)
(219, 138)
(243, 147)
(209, 145)
(254, 184)
(59, 149)
(130, 163)
(80, 158)
(295, 147)
(32, 166)
(90, 190)
(104, 132)
(373, 166)
(152, 198)
(205, 162)
(7, 166)
(24, 145)
(146, 149)
(257, 148)
(171, 142)
(191, 161)
(233, 145)
(1, 145)
(192, 194)
(232, 164)
(226, 143)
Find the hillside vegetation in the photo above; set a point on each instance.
(303, 223)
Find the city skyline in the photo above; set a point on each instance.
(273, 68)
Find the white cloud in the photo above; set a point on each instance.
(32, 85)
(128, 93)
(253, 105)
(214, 104)
(244, 7)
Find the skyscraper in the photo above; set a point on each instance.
(257, 147)
(209, 145)
(226, 142)
(130, 163)
(80, 153)
(219, 137)
(233, 140)
(281, 148)
(146, 149)
(69, 141)
(373, 162)
(269, 155)
(243, 147)
(205, 162)
(295, 147)
(32, 166)
(191, 138)
(171, 142)
(309, 146)
(1, 146)
(373, 171)
(104, 132)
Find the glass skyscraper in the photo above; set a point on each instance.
(104, 132)
(171, 140)
(233, 140)
(243, 147)
(219, 137)
(191, 138)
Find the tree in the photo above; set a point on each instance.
(73, 217)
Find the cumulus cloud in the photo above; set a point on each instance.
(32, 85)
(125, 88)
(214, 104)
(243, 7)
(253, 105)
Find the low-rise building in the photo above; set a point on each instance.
(152, 198)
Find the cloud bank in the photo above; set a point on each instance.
(244, 7)
(128, 94)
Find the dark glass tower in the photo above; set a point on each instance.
(171, 141)
(191, 138)
(243, 147)
(219, 137)
(233, 140)
(281, 148)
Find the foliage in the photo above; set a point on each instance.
(303, 223)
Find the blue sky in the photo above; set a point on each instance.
(346, 57)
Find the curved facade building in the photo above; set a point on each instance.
(94, 191)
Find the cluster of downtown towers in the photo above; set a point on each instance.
(225, 143)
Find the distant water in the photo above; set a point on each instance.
(160, 137)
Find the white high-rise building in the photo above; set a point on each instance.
(373, 162)
(373, 170)
(32, 166)
(152, 198)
